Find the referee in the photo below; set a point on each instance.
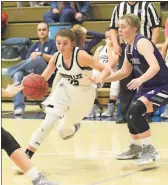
(150, 28)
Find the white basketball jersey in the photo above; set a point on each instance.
(76, 75)
(103, 56)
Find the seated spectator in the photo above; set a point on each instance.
(80, 38)
(36, 61)
(4, 22)
(105, 54)
(63, 12)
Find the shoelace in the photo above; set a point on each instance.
(42, 175)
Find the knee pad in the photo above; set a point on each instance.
(9, 144)
(136, 118)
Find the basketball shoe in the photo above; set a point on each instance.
(132, 153)
(148, 155)
(77, 127)
(95, 112)
(110, 110)
(41, 180)
(165, 113)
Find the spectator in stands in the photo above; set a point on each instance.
(150, 23)
(36, 61)
(164, 5)
(105, 55)
(63, 11)
(80, 38)
(4, 22)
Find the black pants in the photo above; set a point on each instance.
(125, 94)
(8, 142)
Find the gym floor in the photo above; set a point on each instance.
(89, 157)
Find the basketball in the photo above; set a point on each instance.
(35, 87)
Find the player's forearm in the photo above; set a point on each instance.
(114, 37)
(116, 76)
(150, 73)
(112, 61)
(56, 80)
(105, 72)
(48, 71)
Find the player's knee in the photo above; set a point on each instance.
(10, 144)
(135, 110)
(49, 122)
(135, 117)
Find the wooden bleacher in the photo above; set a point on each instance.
(23, 22)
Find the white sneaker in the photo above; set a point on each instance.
(110, 110)
(95, 112)
(41, 180)
(18, 111)
(165, 113)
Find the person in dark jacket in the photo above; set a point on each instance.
(36, 61)
(63, 11)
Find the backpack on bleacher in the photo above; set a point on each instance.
(15, 48)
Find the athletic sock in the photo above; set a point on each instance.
(146, 141)
(136, 142)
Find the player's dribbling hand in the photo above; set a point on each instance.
(134, 84)
(97, 80)
(13, 89)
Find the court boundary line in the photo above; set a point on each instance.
(69, 153)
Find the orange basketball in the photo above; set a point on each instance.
(35, 86)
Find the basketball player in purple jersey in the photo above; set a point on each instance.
(151, 82)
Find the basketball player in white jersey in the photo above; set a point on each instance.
(106, 55)
(74, 95)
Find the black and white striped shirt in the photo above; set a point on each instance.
(144, 10)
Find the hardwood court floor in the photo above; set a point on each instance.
(89, 157)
